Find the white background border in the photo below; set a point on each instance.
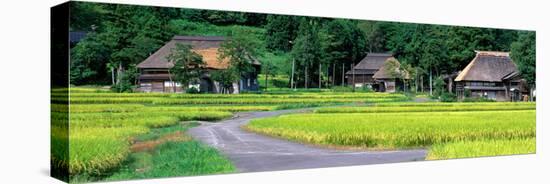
(24, 91)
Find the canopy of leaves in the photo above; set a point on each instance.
(121, 36)
(524, 55)
(241, 50)
(187, 64)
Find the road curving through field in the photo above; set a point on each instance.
(251, 152)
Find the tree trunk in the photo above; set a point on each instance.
(118, 73)
(333, 73)
(531, 92)
(305, 77)
(320, 66)
(292, 75)
(431, 92)
(343, 72)
(416, 80)
(422, 83)
(266, 75)
(171, 81)
(352, 77)
(113, 75)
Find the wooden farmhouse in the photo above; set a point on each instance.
(154, 71)
(371, 72)
(492, 75)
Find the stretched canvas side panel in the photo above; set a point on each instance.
(59, 101)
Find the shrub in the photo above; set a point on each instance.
(192, 90)
(447, 97)
(341, 89)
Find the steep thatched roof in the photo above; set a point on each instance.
(371, 63)
(206, 46)
(488, 66)
(383, 73)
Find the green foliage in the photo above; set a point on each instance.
(192, 90)
(523, 53)
(374, 35)
(189, 27)
(241, 51)
(125, 83)
(187, 64)
(345, 45)
(308, 50)
(280, 31)
(225, 78)
(175, 159)
(447, 97)
(86, 60)
(439, 86)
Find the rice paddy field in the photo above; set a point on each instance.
(104, 129)
(114, 136)
(448, 130)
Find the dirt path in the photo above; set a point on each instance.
(251, 152)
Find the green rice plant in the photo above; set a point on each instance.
(110, 100)
(267, 96)
(430, 104)
(151, 119)
(398, 130)
(267, 101)
(435, 108)
(93, 150)
(85, 108)
(231, 108)
(480, 148)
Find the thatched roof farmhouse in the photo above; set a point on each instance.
(154, 75)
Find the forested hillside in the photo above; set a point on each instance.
(121, 36)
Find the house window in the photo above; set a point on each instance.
(170, 84)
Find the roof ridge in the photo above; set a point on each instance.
(492, 53)
(463, 73)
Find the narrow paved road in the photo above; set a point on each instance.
(251, 152)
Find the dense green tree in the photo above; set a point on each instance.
(241, 50)
(120, 36)
(86, 16)
(87, 61)
(523, 52)
(187, 65)
(280, 31)
(374, 35)
(346, 46)
(226, 78)
(308, 51)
